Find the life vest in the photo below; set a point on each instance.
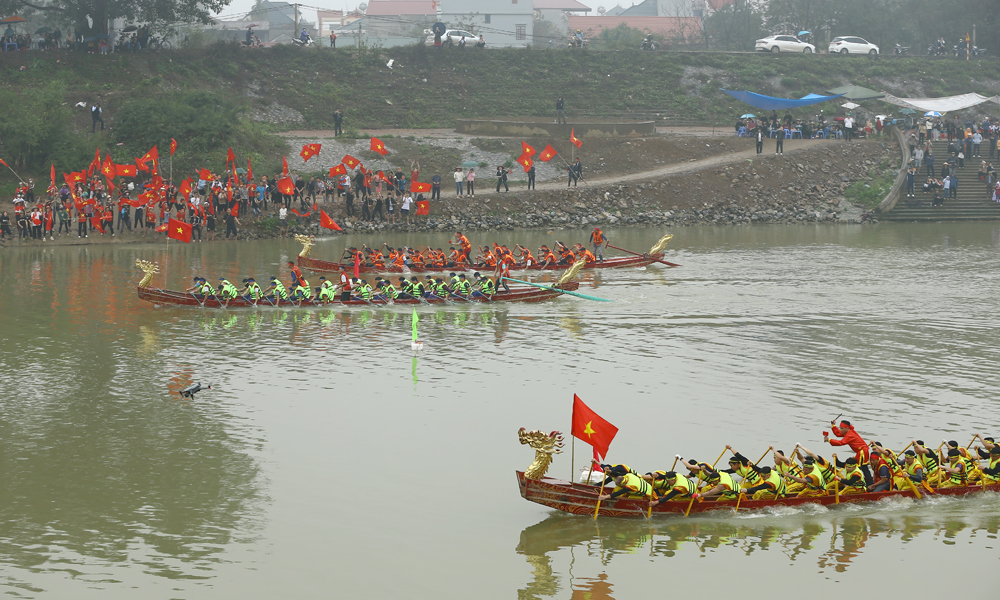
(463, 287)
(962, 477)
(776, 482)
(815, 479)
(682, 485)
(280, 291)
(300, 292)
(254, 290)
(599, 237)
(825, 470)
(849, 474)
(732, 489)
(417, 289)
(364, 291)
(915, 466)
(549, 255)
(789, 469)
(378, 260)
(489, 259)
(326, 294)
(636, 485)
(399, 261)
(527, 257)
(487, 286)
(206, 290)
(389, 291)
(441, 289)
(929, 461)
(748, 475)
(588, 256)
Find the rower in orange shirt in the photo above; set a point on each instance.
(566, 256)
(486, 258)
(464, 243)
(525, 255)
(546, 257)
(585, 254)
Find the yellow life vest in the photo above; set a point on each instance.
(636, 485)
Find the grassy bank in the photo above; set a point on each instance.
(205, 98)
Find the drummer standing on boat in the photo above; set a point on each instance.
(850, 437)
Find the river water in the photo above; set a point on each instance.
(329, 462)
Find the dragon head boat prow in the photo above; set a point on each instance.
(545, 445)
(149, 268)
(307, 242)
(661, 244)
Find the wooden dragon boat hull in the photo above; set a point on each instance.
(323, 266)
(517, 294)
(580, 499)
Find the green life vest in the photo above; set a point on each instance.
(255, 292)
(326, 294)
(487, 286)
(463, 287)
(300, 292)
(726, 480)
(776, 481)
(636, 485)
(441, 289)
(280, 291)
(364, 291)
(206, 290)
(390, 291)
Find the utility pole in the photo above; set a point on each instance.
(295, 34)
(359, 34)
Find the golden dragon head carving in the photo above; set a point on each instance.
(148, 267)
(572, 272)
(545, 445)
(660, 245)
(307, 242)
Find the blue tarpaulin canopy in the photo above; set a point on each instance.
(772, 103)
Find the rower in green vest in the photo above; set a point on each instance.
(462, 287)
(324, 295)
(227, 291)
(671, 485)
(278, 291)
(196, 288)
(361, 289)
(486, 286)
(417, 288)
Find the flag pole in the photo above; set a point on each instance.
(572, 458)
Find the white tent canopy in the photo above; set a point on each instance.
(942, 105)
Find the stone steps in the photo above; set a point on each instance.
(973, 201)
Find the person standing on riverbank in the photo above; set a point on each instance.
(531, 177)
(436, 186)
(502, 179)
(459, 179)
(338, 121)
(848, 127)
(470, 182)
(560, 111)
(760, 141)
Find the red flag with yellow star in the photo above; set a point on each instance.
(548, 154)
(286, 186)
(284, 166)
(126, 170)
(572, 137)
(419, 188)
(525, 161)
(338, 170)
(108, 168)
(526, 149)
(173, 146)
(326, 221)
(309, 151)
(152, 156)
(378, 146)
(179, 230)
(350, 161)
(589, 427)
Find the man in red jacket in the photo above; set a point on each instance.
(850, 437)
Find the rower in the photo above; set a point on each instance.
(811, 483)
(770, 485)
(930, 460)
(741, 465)
(698, 470)
(971, 466)
(405, 289)
(206, 287)
(957, 468)
(464, 243)
(566, 256)
(226, 290)
(853, 480)
(324, 295)
(850, 437)
(613, 470)
(546, 257)
(253, 291)
(724, 487)
(387, 291)
(784, 465)
(296, 274)
(881, 471)
(441, 288)
(300, 292)
(525, 256)
(991, 474)
(823, 465)
(585, 254)
(671, 484)
(462, 287)
(417, 289)
(361, 290)
(630, 484)
(599, 241)
(486, 259)
(325, 283)
(278, 290)
(196, 288)
(913, 470)
(486, 286)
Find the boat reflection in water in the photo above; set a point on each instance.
(831, 541)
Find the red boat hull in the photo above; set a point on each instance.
(323, 266)
(517, 294)
(580, 499)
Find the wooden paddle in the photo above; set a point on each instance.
(600, 492)
(836, 481)
(698, 486)
(669, 264)
(555, 289)
(676, 458)
(739, 497)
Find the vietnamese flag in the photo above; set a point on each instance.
(350, 161)
(111, 187)
(185, 189)
(424, 206)
(249, 170)
(141, 166)
(205, 175)
(52, 175)
(96, 222)
(548, 154)
(300, 214)
(589, 427)
(357, 265)
(284, 167)
(338, 170)
(527, 150)
(108, 168)
(382, 176)
(2, 162)
(378, 146)
(525, 161)
(572, 137)
(173, 146)
(418, 188)
(230, 157)
(326, 221)
(179, 230)
(94, 164)
(74, 178)
(152, 156)
(309, 151)
(286, 186)
(126, 170)
(161, 228)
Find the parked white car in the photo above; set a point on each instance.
(456, 34)
(784, 43)
(850, 44)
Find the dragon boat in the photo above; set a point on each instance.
(161, 297)
(655, 255)
(581, 498)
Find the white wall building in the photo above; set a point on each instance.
(501, 22)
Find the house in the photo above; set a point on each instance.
(555, 11)
(501, 22)
(397, 22)
(328, 20)
(673, 30)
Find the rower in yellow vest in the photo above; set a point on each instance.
(971, 465)
(852, 480)
(741, 465)
(911, 468)
(928, 457)
(826, 470)
(812, 480)
(631, 485)
(668, 485)
(991, 474)
(784, 466)
(769, 486)
(697, 470)
(724, 487)
(611, 471)
(956, 470)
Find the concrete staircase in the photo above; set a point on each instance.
(973, 201)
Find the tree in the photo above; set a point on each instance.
(156, 12)
(735, 27)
